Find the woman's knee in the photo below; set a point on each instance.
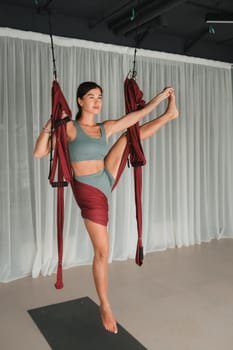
(101, 253)
(118, 146)
(99, 238)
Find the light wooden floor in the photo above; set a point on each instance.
(180, 299)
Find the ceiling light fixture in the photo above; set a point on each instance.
(211, 29)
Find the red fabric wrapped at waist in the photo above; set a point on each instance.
(92, 202)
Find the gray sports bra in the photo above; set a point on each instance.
(85, 147)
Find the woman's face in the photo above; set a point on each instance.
(91, 102)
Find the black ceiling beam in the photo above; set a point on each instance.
(117, 10)
(42, 5)
(16, 4)
(219, 18)
(190, 43)
(149, 26)
(203, 6)
(225, 41)
(122, 20)
(217, 10)
(148, 13)
(144, 31)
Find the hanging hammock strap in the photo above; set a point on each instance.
(133, 150)
(60, 165)
(59, 155)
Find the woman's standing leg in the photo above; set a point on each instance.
(98, 233)
(99, 237)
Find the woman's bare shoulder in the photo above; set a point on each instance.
(71, 130)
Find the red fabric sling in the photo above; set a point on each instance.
(60, 162)
(133, 102)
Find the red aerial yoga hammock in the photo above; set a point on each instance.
(133, 102)
(60, 162)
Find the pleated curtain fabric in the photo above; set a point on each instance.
(187, 182)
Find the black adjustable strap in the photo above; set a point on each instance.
(55, 124)
(59, 184)
(59, 122)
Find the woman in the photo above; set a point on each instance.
(95, 167)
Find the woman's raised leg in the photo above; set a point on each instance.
(99, 237)
(114, 156)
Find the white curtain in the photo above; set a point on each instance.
(187, 182)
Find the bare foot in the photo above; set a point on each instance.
(172, 111)
(108, 319)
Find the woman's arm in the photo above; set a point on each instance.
(43, 143)
(114, 126)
